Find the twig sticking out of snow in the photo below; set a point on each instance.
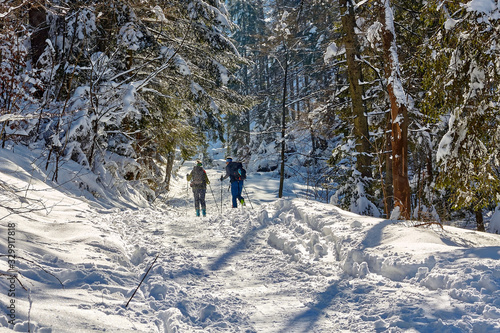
(126, 305)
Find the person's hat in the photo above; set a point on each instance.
(198, 163)
(229, 159)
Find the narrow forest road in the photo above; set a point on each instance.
(235, 280)
(294, 266)
(219, 273)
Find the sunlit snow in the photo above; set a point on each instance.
(275, 265)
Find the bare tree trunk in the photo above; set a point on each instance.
(4, 133)
(168, 169)
(388, 168)
(307, 109)
(479, 220)
(296, 111)
(430, 173)
(399, 114)
(356, 90)
(37, 18)
(385, 181)
(94, 138)
(283, 129)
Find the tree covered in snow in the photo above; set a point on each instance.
(359, 85)
(248, 16)
(18, 81)
(124, 85)
(413, 37)
(462, 81)
(284, 37)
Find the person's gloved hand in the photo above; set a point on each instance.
(221, 178)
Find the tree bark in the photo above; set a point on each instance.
(37, 20)
(479, 220)
(399, 114)
(355, 75)
(389, 190)
(283, 129)
(168, 169)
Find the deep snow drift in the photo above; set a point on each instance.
(288, 265)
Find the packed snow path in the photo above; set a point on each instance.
(245, 273)
(283, 266)
(299, 266)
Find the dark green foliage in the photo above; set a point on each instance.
(463, 88)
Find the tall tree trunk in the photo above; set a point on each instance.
(399, 114)
(283, 129)
(388, 168)
(307, 109)
(356, 90)
(430, 173)
(479, 219)
(168, 168)
(297, 110)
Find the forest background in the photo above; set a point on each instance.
(384, 108)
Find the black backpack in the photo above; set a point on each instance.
(237, 172)
(198, 176)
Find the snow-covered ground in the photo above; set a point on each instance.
(288, 265)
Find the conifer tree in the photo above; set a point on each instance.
(359, 104)
(401, 102)
(249, 36)
(462, 86)
(124, 83)
(18, 80)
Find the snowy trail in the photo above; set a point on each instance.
(278, 268)
(236, 257)
(228, 265)
(224, 259)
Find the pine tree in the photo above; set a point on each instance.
(125, 84)
(412, 37)
(18, 81)
(353, 51)
(463, 89)
(359, 102)
(249, 36)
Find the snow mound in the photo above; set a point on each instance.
(464, 265)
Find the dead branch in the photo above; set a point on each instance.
(36, 264)
(426, 224)
(14, 277)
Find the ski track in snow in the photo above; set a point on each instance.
(283, 266)
(231, 263)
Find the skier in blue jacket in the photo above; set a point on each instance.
(236, 175)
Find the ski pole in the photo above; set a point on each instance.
(214, 197)
(221, 196)
(187, 196)
(248, 196)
